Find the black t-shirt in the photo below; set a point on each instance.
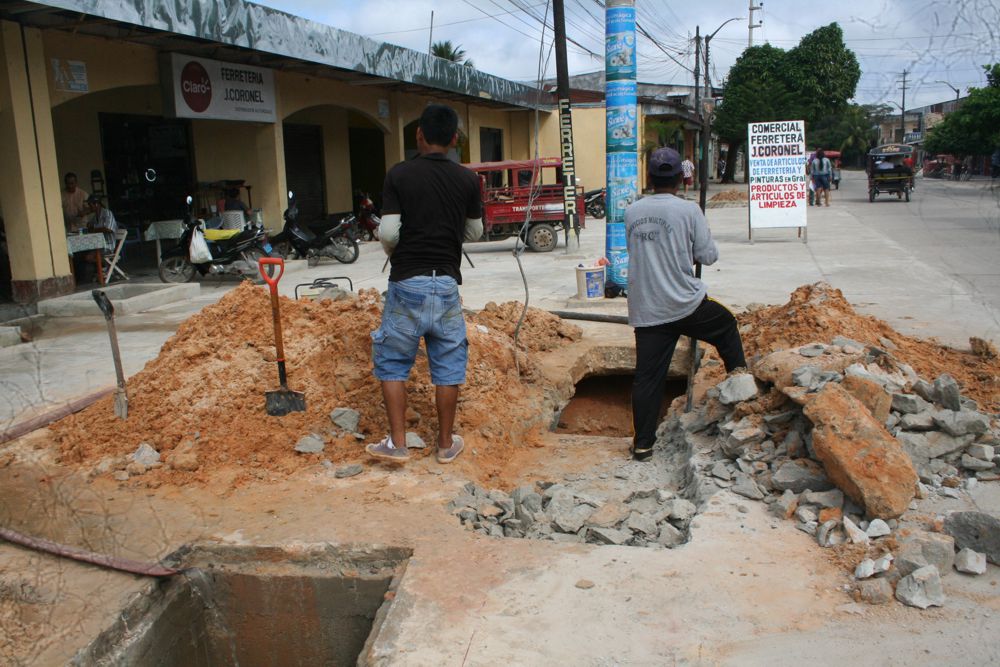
(433, 196)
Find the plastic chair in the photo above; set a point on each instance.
(111, 263)
(233, 220)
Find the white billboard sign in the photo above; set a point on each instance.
(204, 88)
(777, 176)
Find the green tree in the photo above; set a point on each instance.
(973, 129)
(454, 53)
(852, 131)
(810, 82)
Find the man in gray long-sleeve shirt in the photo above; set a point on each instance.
(666, 235)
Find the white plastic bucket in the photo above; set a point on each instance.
(590, 282)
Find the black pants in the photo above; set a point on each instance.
(654, 348)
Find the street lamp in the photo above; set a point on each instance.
(706, 121)
(957, 91)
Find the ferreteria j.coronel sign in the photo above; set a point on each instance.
(778, 191)
(204, 88)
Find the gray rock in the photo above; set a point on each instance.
(609, 515)
(826, 534)
(920, 548)
(680, 509)
(970, 562)
(669, 536)
(721, 470)
(813, 350)
(573, 520)
(145, 455)
(806, 515)
(809, 528)
(346, 419)
(977, 531)
(349, 471)
(800, 475)
(921, 588)
(310, 444)
(925, 390)
(642, 523)
(854, 534)
(875, 591)
(883, 563)
(878, 528)
(972, 463)
(745, 486)
(961, 422)
(741, 438)
(925, 446)
(920, 421)
(909, 404)
(948, 393)
(844, 341)
(865, 569)
(785, 505)
(497, 531)
(414, 441)
(981, 452)
(805, 376)
(833, 498)
(608, 535)
(737, 388)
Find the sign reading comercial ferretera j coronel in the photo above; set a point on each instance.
(777, 179)
(204, 88)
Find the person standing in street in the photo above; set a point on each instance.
(821, 171)
(688, 168)
(430, 206)
(666, 235)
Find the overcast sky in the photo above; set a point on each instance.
(944, 41)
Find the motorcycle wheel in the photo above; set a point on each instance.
(347, 251)
(596, 210)
(176, 270)
(367, 235)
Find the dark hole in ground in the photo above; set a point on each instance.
(602, 405)
(253, 606)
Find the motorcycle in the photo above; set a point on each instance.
(594, 203)
(366, 222)
(297, 240)
(233, 251)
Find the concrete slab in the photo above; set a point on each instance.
(10, 336)
(127, 298)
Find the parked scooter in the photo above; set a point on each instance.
(594, 202)
(297, 240)
(233, 251)
(366, 222)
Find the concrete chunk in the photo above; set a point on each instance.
(346, 419)
(923, 547)
(909, 404)
(961, 422)
(970, 562)
(920, 421)
(737, 388)
(948, 393)
(921, 589)
(977, 531)
(799, 475)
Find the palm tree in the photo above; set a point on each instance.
(454, 53)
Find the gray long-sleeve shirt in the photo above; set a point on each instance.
(666, 235)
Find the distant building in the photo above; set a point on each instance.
(918, 121)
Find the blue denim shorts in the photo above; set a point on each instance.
(425, 307)
(821, 181)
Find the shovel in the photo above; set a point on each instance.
(121, 398)
(280, 401)
(695, 358)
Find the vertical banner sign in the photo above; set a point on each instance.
(777, 179)
(571, 217)
(622, 126)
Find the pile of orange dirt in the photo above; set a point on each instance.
(730, 195)
(817, 313)
(540, 331)
(206, 389)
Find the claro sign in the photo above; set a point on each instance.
(203, 88)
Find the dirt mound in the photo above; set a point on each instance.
(730, 195)
(206, 389)
(818, 313)
(541, 330)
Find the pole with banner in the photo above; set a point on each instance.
(776, 176)
(621, 140)
(571, 216)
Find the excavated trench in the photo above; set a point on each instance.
(256, 606)
(602, 405)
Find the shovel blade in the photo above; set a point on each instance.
(282, 401)
(121, 404)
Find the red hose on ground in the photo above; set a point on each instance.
(64, 551)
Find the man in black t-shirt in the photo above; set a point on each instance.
(430, 205)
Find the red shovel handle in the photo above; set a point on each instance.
(276, 261)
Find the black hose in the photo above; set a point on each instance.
(590, 317)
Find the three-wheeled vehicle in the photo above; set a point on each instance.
(890, 170)
(510, 186)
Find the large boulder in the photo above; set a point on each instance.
(871, 394)
(777, 367)
(859, 456)
(977, 531)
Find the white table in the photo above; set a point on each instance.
(163, 229)
(83, 242)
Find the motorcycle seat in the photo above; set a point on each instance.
(220, 234)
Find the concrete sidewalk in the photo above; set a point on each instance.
(919, 296)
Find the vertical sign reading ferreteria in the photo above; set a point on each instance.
(777, 178)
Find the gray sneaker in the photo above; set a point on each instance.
(383, 452)
(450, 454)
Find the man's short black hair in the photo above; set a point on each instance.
(667, 181)
(69, 175)
(439, 124)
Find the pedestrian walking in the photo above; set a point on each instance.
(688, 168)
(821, 171)
(666, 235)
(430, 205)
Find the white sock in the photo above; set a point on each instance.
(389, 443)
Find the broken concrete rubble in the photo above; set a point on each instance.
(977, 531)
(970, 562)
(922, 588)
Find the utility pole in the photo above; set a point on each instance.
(430, 38)
(697, 102)
(902, 111)
(571, 217)
(706, 121)
(753, 8)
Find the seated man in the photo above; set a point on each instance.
(103, 220)
(74, 204)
